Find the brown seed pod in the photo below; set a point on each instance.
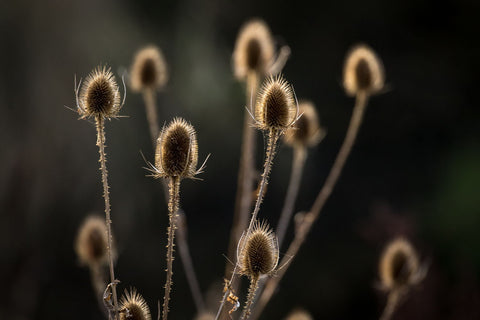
(276, 107)
(363, 71)
(254, 49)
(91, 242)
(149, 70)
(100, 95)
(177, 150)
(133, 306)
(306, 132)
(299, 314)
(257, 252)
(399, 266)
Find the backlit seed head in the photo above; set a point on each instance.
(133, 306)
(399, 266)
(276, 107)
(363, 71)
(177, 150)
(299, 314)
(99, 95)
(257, 252)
(254, 49)
(205, 316)
(306, 132)
(149, 70)
(92, 240)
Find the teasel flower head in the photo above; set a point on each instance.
(99, 95)
(276, 106)
(299, 314)
(133, 306)
(257, 252)
(149, 69)
(254, 49)
(363, 71)
(399, 265)
(307, 131)
(91, 243)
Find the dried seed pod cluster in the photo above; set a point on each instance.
(133, 306)
(363, 71)
(276, 108)
(149, 70)
(177, 150)
(254, 49)
(99, 95)
(307, 131)
(92, 242)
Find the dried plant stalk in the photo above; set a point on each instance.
(151, 110)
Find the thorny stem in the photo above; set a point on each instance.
(151, 110)
(312, 215)
(273, 136)
(174, 190)
(299, 156)
(100, 124)
(98, 283)
(251, 295)
(392, 303)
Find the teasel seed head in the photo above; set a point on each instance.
(275, 107)
(399, 265)
(91, 243)
(205, 316)
(257, 252)
(177, 150)
(149, 70)
(133, 306)
(254, 49)
(299, 314)
(99, 95)
(307, 131)
(363, 71)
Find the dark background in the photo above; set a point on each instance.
(414, 171)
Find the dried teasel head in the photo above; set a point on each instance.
(399, 266)
(149, 70)
(133, 306)
(99, 95)
(177, 151)
(299, 314)
(92, 241)
(254, 49)
(363, 71)
(307, 131)
(257, 252)
(276, 107)
(205, 316)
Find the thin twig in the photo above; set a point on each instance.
(392, 303)
(151, 110)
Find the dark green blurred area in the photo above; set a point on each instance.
(414, 171)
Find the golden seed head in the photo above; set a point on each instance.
(99, 95)
(133, 306)
(254, 49)
(399, 264)
(307, 131)
(275, 108)
(177, 150)
(299, 314)
(363, 71)
(92, 241)
(257, 252)
(149, 70)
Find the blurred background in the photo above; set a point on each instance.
(414, 171)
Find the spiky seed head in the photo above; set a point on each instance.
(307, 131)
(149, 70)
(254, 49)
(177, 150)
(133, 306)
(99, 95)
(276, 107)
(399, 264)
(258, 251)
(363, 71)
(92, 242)
(299, 314)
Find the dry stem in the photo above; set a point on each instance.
(151, 110)
(392, 303)
(100, 124)
(251, 295)
(310, 217)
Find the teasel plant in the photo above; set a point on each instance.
(176, 158)
(133, 306)
(276, 110)
(363, 76)
(399, 271)
(253, 58)
(99, 98)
